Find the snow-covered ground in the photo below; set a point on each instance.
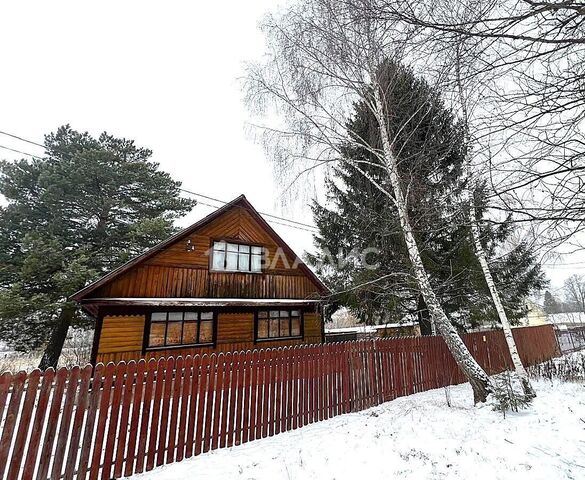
(416, 437)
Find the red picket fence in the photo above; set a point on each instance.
(130, 417)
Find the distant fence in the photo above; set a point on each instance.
(571, 339)
(130, 417)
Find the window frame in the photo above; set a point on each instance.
(301, 336)
(146, 347)
(239, 243)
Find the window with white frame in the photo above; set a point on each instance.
(236, 257)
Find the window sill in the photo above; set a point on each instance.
(182, 345)
(212, 270)
(278, 339)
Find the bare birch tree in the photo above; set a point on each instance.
(323, 57)
(471, 184)
(533, 107)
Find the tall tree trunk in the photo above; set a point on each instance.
(479, 250)
(481, 256)
(477, 377)
(57, 339)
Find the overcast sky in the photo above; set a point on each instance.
(161, 73)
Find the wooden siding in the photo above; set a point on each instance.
(122, 336)
(177, 282)
(176, 272)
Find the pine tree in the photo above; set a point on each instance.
(358, 216)
(86, 207)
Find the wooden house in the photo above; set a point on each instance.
(228, 282)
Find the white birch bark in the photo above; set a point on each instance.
(506, 327)
(480, 252)
(477, 377)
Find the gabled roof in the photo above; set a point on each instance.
(239, 202)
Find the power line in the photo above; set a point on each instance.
(21, 139)
(19, 151)
(199, 202)
(262, 213)
(295, 224)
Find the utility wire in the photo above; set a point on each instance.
(298, 225)
(262, 213)
(199, 202)
(18, 151)
(21, 139)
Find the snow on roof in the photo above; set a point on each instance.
(368, 328)
(202, 302)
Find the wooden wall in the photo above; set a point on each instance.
(122, 336)
(177, 272)
(183, 282)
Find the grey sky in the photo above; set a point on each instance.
(161, 73)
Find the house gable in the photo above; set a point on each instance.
(179, 267)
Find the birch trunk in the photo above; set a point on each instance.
(477, 377)
(481, 256)
(480, 252)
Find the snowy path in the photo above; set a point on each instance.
(416, 437)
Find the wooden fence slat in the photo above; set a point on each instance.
(201, 399)
(18, 381)
(5, 382)
(235, 399)
(193, 418)
(304, 417)
(250, 420)
(88, 432)
(112, 432)
(153, 429)
(264, 393)
(210, 394)
(295, 396)
(225, 398)
(52, 422)
(78, 421)
(136, 405)
(185, 398)
(287, 410)
(217, 397)
(145, 417)
(104, 405)
(38, 422)
(169, 374)
(24, 424)
(174, 409)
(242, 389)
(277, 391)
(127, 392)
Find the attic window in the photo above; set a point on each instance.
(236, 257)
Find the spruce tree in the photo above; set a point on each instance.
(86, 207)
(357, 216)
